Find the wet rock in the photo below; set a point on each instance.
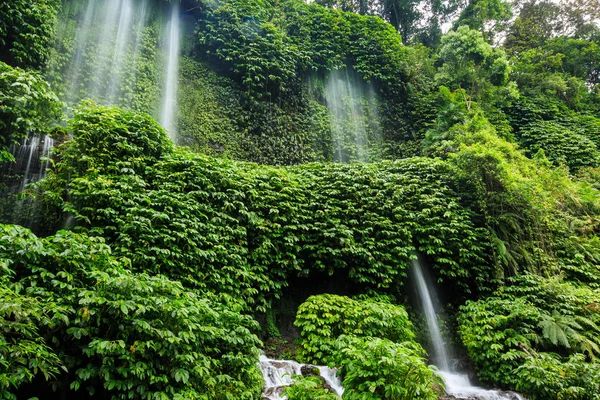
(326, 385)
(310, 370)
(273, 392)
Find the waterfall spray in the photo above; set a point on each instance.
(123, 39)
(169, 103)
(352, 107)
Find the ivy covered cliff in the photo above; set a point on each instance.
(188, 184)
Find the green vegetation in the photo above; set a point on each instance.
(372, 341)
(147, 266)
(27, 107)
(27, 29)
(114, 332)
(375, 368)
(536, 335)
(308, 388)
(323, 319)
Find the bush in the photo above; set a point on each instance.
(27, 106)
(379, 369)
(125, 335)
(538, 336)
(109, 139)
(323, 318)
(308, 388)
(24, 354)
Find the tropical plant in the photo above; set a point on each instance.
(27, 28)
(379, 369)
(170, 342)
(323, 318)
(27, 107)
(308, 388)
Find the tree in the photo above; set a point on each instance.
(419, 20)
(536, 23)
(468, 62)
(487, 16)
(542, 20)
(362, 7)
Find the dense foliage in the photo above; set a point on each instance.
(27, 107)
(536, 335)
(245, 230)
(375, 368)
(322, 319)
(114, 332)
(484, 145)
(308, 388)
(27, 29)
(373, 342)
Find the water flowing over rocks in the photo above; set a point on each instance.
(278, 374)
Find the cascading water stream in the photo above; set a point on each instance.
(278, 374)
(116, 50)
(31, 160)
(439, 351)
(457, 385)
(123, 39)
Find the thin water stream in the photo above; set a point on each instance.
(457, 385)
(169, 101)
(31, 160)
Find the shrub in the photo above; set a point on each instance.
(27, 106)
(24, 354)
(538, 336)
(109, 139)
(379, 369)
(126, 335)
(308, 388)
(323, 318)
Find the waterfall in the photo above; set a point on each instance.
(31, 160)
(457, 385)
(354, 117)
(169, 101)
(107, 44)
(118, 48)
(82, 36)
(439, 350)
(124, 32)
(278, 374)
